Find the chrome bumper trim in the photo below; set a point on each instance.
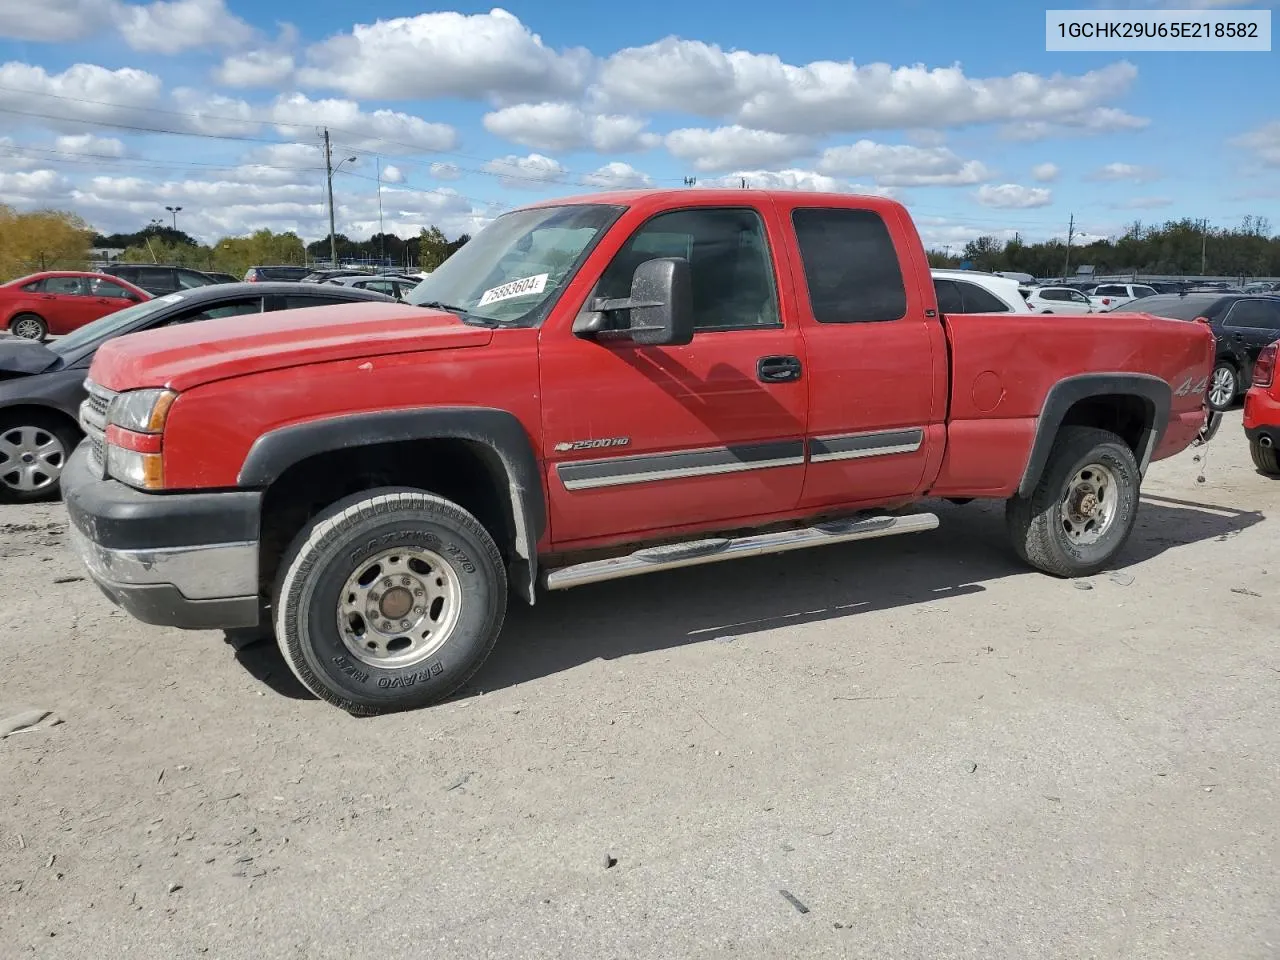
(211, 572)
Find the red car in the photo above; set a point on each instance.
(596, 388)
(58, 302)
(1262, 413)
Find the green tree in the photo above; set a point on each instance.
(42, 240)
(433, 248)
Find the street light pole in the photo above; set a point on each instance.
(174, 211)
(330, 170)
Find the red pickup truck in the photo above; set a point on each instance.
(595, 388)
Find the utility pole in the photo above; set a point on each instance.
(744, 183)
(1204, 245)
(328, 169)
(382, 234)
(1071, 233)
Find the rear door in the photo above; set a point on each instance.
(1253, 324)
(877, 360)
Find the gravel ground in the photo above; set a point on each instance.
(933, 752)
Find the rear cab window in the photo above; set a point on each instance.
(850, 264)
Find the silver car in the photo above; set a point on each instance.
(392, 286)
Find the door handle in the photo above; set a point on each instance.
(778, 369)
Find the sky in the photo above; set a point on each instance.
(116, 110)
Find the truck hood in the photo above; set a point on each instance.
(20, 357)
(188, 355)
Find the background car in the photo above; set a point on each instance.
(1262, 413)
(397, 287)
(1242, 325)
(42, 386)
(157, 279)
(322, 276)
(1058, 300)
(287, 272)
(1111, 296)
(58, 302)
(965, 291)
(221, 277)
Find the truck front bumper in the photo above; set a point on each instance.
(186, 560)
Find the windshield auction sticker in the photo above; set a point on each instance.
(516, 288)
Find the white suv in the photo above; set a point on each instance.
(1058, 300)
(1110, 296)
(964, 291)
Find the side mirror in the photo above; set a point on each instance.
(661, 306)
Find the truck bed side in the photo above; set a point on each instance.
(1007, 367)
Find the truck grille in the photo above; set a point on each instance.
(93, 421)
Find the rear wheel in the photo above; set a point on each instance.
(389, 600)
(1084, 507)
(1265, 458)
(34, 447)
(1224, 386)
(29, 327)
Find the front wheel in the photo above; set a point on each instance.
(1265, 458)
(34, 447)
(1224, 386)
(1084, 507)
(389, 600)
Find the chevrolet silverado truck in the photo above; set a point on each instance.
(595, 388)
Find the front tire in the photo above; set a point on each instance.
(34, 447)
(1265, 458)
(28, 326)
(1084, 507)
(389, 600)
(1224, 386)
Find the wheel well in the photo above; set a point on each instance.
(1128, 416)
(466, 472)
(48, 415)
(25, 313)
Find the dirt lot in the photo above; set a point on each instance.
(935, 752)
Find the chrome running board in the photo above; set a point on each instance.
(671, 556)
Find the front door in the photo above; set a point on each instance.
(640, 440)
(877, 353)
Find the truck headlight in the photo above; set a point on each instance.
(142, 411)
(135, 422)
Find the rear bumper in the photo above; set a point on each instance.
(186, 560)
(1261, 415)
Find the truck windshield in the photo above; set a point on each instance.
(517, 263)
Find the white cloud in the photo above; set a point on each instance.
(446, 171)
(794, 179)
(901, 165)
(529, 172)
(566, 126)
(34, 186)
(1098, 120)
(1045, 172)
(618, 176)
(297, 116)
(1142, 203)
(55, 21)
(1264, 143)
(171, 27)
(88, 92)
(445, 54)
(1013, 196)
(392, 174)
(1129, 172)
(88, 144)
(726, 147)
(257, 68)
(761, 91)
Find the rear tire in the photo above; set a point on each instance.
(1266, 459)
(389, 600)
(28, 326)
(1224, 386)
(1084, 507)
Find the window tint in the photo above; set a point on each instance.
(189, 279)
(129, 274)
(1111, 291)
(948, 296)
(1075, 296)
(730, 269)
(233, 309)
(1258, 314)
(850, 266)
(1144, 292)
(379, 286)
(107, 288)
(1053, 295)
(66, 286)
(978, 300)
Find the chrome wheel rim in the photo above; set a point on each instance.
(28, 328)
(1223, 389)
(1090, 505)
(399, 607)
(31, 459)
